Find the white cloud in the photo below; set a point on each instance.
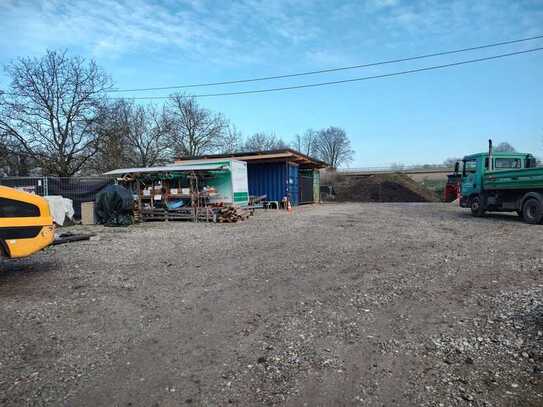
(110, 27)
(246, 31)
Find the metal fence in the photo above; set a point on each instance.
(78, 189)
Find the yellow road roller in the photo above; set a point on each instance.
(26, 224)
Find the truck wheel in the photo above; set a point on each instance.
(476, 206)
(532, 212)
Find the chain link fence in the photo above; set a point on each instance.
(78, 189)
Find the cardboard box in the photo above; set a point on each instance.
(87, 213)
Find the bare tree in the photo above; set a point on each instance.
(8, 158)
(232, 141)
(147, 129)
(11, 162)
(306, 143)
(14, 162)
(194, 130)
(504, 147)
(51, 108)
(131, 135)
(112, 151)
(263, 142)
(334, 147)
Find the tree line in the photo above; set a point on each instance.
(57, 118)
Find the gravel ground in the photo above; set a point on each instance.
(340, 304)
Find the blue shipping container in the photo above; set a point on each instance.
(275, 180)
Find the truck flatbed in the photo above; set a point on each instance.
(514, 179)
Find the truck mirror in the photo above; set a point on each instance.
(456, 167)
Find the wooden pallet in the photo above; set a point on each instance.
(156, 214)
(181, 214)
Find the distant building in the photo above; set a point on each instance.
(277, 174)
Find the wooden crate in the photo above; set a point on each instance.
(87, 213)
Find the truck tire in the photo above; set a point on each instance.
(476, 205)
(532, 211)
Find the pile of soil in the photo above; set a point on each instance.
(381, 188)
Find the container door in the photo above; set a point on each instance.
(293, 183)
(306, 187)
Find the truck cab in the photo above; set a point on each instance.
(476, 165)
(501, 182)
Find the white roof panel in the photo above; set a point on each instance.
(206, 161)
(169, 168)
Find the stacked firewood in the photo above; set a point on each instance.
(232, 214)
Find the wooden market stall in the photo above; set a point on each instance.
(199, 191)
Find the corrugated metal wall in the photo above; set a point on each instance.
(268, 179)
(293, 183)
(275, 180)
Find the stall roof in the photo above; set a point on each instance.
(168, 168)
(262, 156)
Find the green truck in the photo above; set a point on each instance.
(502, 182)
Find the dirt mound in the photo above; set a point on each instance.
(381, 188)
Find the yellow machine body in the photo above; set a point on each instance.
(26, 224)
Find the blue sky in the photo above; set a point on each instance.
(419, 118)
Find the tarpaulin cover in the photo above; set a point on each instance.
(61, 208)
(114, 206)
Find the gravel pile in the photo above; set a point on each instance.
(495, 358)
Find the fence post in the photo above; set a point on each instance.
(45, 186)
